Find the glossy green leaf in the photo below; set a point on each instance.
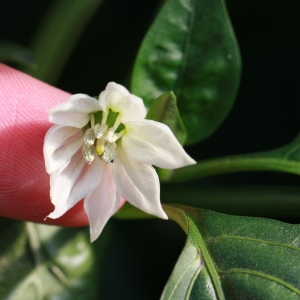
(46, 262)
(191, 49)
(14, 53)
(230, 257)
(284, 159)
(58, 34)
(164, 109)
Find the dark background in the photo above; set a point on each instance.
(266, 114)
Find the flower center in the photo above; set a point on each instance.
(100, 140)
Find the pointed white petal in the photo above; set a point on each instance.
(129, 106)
(87, 181)
(75, 111)
(61, 184)
(102, 203)
(112, 86)
(138, 183)
(60, 143)
(154, 143)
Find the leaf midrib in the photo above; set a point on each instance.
(186, 47)
(208, 260)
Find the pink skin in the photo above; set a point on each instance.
(24, 183)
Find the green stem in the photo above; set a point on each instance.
(164, 174)
(279, 202)
(58, 34)
(257, 201)
(232, 164)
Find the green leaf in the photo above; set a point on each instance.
(230, 257)
(191, 49)
(14, 53)
(46, 262)
(58, 34)
(164, 109)
(284, 159)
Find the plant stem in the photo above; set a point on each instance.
(258, 201)
(231, 164)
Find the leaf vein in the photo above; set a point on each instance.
(180, 278)
(255, 240)
(265, 276)
(189, 290)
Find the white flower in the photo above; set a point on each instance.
(104, 150)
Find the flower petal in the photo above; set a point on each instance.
(118, 99)
(154, 143)
(60, 143)
(61, 184)
(112, 86)
(87, 181)
(138, 183)
(102, 203)
(74, 112)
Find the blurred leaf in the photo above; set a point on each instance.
(46, 262)
(230, 257)
(58, 34)
(191, 50)
(284, 159)
(164, 109)
(14, 53)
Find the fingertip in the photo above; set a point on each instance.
(24, 183)
(75, 217)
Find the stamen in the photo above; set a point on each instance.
(99, 130)
(117, 122)
(89, 137)
(109, 153)
(88, 152)
(121, 133)
(111, 136)
(101, 141)
(92, 119)
(104, 118)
